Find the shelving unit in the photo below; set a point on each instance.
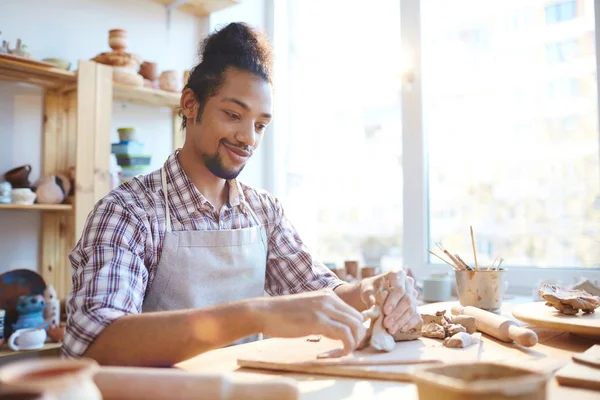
(38, 207)
(200, 8)
(76, 131)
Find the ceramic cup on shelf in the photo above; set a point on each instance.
(61, 379)
(5, 192)
(117, 39)
(168, 81)
(149, 70)
(23, 196)
(27, 339)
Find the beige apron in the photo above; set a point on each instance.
(203, 268)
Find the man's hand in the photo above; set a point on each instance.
(400, 307)
(321, 312)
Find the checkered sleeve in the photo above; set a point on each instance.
(109, 276)
(290, 266)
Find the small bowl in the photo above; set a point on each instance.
(479, 381)
(59, 63)
(127, 134)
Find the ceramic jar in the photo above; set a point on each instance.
(48, 191)
(168, 81)
(62, 379)
(117, 39)
(149, 70)
(19, 176)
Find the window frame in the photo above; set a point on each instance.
(521, 280)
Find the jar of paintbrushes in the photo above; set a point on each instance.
(477, 286)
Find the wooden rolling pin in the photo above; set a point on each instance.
(497, 326)
(124, 383)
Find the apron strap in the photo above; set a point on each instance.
(163, 176)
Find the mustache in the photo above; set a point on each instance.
(248, 149)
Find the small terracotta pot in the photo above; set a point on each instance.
(168, 81)
(19, 177)
(117, 39)
(149, 70)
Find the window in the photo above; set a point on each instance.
(343, 159)
(527, 186)
(560, 12)
(561, 51)
(498, 130)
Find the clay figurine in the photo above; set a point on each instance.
(377, 336)
(460, 340)
(30, 312)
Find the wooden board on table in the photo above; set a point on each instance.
(581, 375)
(539, 314)
(300, 355)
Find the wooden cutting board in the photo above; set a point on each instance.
(539, 314)
(582, 375)
(300, 355)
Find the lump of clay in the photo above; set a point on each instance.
(460, 340)
(465, 320)
(377, 336)
(433, 330)
(569, 301)
(412, 334)
(453, 329)
(438, 318)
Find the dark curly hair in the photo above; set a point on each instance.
(237, 45)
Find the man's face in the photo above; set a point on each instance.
(232, 123)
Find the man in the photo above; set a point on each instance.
(175, 263)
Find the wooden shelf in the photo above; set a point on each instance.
(28, 72)
(40, 207)
(7, 352)
(145, 96)
(201, 8)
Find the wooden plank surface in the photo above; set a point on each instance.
(145, 96)
(38, 207)
(13, 69)
(201, 8)
(553, 351)
(582, 375)
(539, 314)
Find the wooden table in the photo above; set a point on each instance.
(553, 350)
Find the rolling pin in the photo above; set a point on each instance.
(124, 383)
(497, 326)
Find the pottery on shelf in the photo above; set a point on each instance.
(30, 310)
(168, 81)
(19, 50)
(19, 177)
(117, 39)
(58, 63)
(149, 70)
(24, 196)
(48, 190)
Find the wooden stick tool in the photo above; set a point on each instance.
(498, 326)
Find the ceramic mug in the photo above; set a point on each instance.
(437, 287)
(19, 176)
(27, 339)
(62, 379)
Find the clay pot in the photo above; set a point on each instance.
(48, 191)
(149, 70)
(117, 39)
(168, 81)
(19, 177)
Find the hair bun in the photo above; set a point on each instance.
(236, 39)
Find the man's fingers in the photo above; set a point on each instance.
(412, 322)
(356, 325)
(338, 303)
(397, 282)
(339, 331)
(397, 316)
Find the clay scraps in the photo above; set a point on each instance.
(456, 331)
(569, 301)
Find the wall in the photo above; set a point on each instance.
(78, 29)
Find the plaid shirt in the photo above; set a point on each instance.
(115, 260)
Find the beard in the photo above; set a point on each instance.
(214, 163)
